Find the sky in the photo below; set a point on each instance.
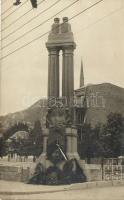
(99, 37)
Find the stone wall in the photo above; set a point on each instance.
(22, 174)
(94, 172)
(14, 173)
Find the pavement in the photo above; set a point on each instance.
(101, 190)
(19, 188)
(21, 191)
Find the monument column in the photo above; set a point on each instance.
(44, 153)
(68, 132)
(68, 72)
(53, 72)
(74, 143)
(71, 145)
(45, 137)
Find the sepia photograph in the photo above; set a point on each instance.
(62, 100)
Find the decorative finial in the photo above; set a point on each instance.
(56, 20)
(65, 26)
(65, 19)
(55, 26)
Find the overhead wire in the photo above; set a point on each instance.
(14, 10)
(31, 19)
(6, 10)
(2, 2)
(86, 9)
(39, 37)
(99, 20)
(38, 25)
(20, 17)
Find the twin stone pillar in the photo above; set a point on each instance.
(67, 71)
(71, 143)
(60, 38)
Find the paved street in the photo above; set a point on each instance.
(57, 192)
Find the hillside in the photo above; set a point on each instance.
(35, 112)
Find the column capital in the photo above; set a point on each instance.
(60, 45)
(53, 51)
(68, 131)
(71, 131)
(70, 46)
(45, 132)
(68, 50)
(74, 132)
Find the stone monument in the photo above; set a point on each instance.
(61, 39)
(60, 134)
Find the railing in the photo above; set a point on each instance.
(113, 169)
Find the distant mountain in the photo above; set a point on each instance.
(35, 112)
(110, 99)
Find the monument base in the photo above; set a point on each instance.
(14, 173)
(24, 171)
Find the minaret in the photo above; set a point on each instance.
(81, 75)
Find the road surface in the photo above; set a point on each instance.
(104, 193)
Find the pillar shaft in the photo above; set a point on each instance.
(68, 145)
(42, 157)
(71, 144)
(68, 73)
(45, 144)
(45, 138)
(74, 144)
(53, 73)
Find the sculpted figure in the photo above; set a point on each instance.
(55, 26)
(65, 26)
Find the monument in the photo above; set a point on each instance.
(61, 39)
(60, 156)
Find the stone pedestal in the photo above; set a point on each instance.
(71, 143)
(43, 156)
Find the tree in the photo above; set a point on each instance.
(89, 146)
(20, 126)
(37, 138)
(2, 147)
(103, 140)
(114, 134)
